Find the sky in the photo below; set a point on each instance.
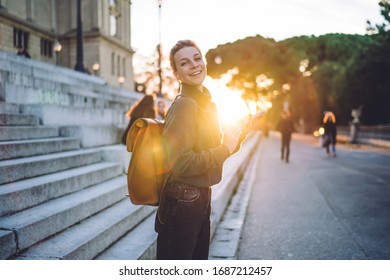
(214, 22)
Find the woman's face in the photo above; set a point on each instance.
(190, 67)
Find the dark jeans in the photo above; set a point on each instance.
(332, 143)
(286, 139)
(184, 232)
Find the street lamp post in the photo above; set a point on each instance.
(121, 80)
(95, 68)
(159, 51)
(79, 62)
(57, 50)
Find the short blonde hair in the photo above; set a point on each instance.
(177, 47)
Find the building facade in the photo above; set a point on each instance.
(47, 29)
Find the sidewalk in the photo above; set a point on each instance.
(315, 207)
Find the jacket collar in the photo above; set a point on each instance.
(201, 97)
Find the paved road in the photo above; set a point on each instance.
(317, 207)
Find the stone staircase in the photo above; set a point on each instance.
(59, 201)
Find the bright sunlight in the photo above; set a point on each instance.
(231, 106)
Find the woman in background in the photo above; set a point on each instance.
(330, 132)
(144, 108)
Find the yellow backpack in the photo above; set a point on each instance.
(145, 176)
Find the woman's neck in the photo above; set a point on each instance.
(199, 87)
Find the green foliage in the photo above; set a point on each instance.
(257, 60)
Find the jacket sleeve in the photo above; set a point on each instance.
(179, 138)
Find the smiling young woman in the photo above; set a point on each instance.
(190, 67)
(195, 154)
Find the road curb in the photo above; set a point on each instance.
(225, 242)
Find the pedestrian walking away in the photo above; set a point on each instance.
(330, 133)
(286, 128)
(23, 52)
(195, 154)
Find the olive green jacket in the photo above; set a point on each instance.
(192, 139)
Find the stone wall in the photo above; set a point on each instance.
(50, 20)
(64, 97)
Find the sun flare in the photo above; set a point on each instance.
(231, 106)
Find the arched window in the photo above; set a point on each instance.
(114, 14)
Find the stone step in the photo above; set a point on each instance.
(138, 244)
(23, 194)
(8, 133)
(40, 222)
(91, 236)
(28, 148)
(18, 169)
(30, 72)
(14, 120)
(9, 108)
(7, 244)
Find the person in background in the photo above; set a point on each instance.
(195, 154)
(161, 110)
(330, 132)
(23, 52)
(144, 108)
(286, 128)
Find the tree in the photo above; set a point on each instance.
(263, 69)
(329, 58)
(368, 76)
(146, 75)
(332, 72)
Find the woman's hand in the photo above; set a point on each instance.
(235, 135)
(233, 142)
